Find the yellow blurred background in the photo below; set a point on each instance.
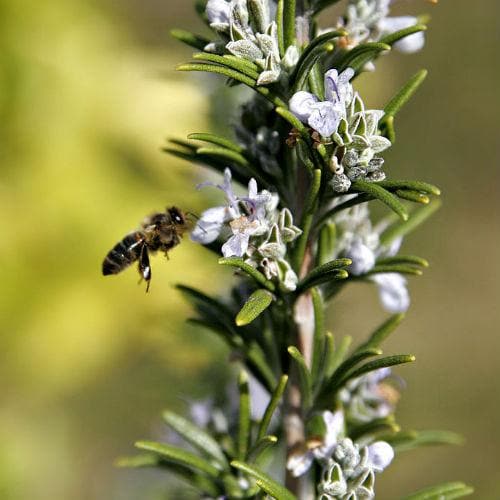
(88, 95)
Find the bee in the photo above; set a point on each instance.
(160, 231)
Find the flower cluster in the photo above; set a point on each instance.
(353, 129)
(350, 472)
(348, 468)
(369, 20)
(258, 231)
(360, 241)
(247, 32)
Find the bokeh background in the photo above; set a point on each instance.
(88, 95)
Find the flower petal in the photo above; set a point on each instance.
(236, 246)
(209, 225)
(325, 117)
(380, 455)
(392, 291)
(299, 463)
(301, 105)
(218, 12)
(363, 258)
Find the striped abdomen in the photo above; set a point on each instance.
(123, 254)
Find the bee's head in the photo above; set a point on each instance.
(177, 216)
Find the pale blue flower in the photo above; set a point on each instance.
(218, 13)
(211, 222)
(380, 455)
(393, 291)
(325, 116)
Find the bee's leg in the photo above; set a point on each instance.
(144, 266)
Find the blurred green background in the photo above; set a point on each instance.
(87, 96)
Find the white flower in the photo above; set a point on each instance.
(300, 462)
(211, 222)
(380, 455)
(408, 44)
(325, 116)
(247, 216)
(334, 430)
(218, 13)
(363, 257)
(392, 291)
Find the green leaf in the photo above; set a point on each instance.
(259, 362)
(276, 396)
(382, 332)
(217, 164)
(248, 269)
(398, 359)
(413, 196)
(341, 373)
(220, 70)
(445, 491)
(420, 186)
(326, 242)
(179, 456)
(235, 75)
(327, 272)
(367, 51)
(264, 481)
(237, 63)
(279, 23)
(403, 228)
(199, 438)
(378, 192)
(304, 59)
(339, 353)
(353, 360)
(289, 23)
(319, 336)
(196, 41)
(214, 314)
(404, 259)
(395, 268)
(318, 47)
(258, 302)
(260, 447)
(143, 460)
(216, 139)
(360, 198)
(329, 354)
(404, 94)
(416, 439)
(200, 481)
(304, 377)
(225, 153)
(244, 421)
(374, 428)
(307, 218)
(392, 38)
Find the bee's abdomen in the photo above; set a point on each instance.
(122, 254)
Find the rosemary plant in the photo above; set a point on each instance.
(308, 152)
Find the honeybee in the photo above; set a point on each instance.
(160, 231)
